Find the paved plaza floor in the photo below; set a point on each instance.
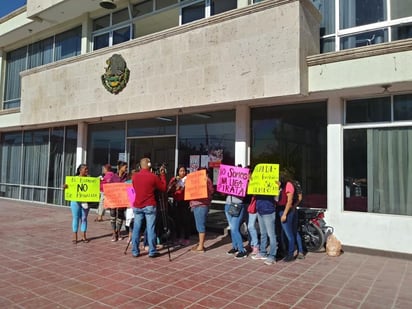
(41, 268)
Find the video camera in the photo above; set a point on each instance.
(158, 167)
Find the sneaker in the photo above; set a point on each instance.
(289, 258)
(154, 255)
(301, 256)
(255, 250)
(259, 257)
(241, 255)
(231, 251)
(248, 248)
(269, 262)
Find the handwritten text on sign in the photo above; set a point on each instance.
(232, 180)
(264, 180)
(82, 189)
(116, 194)
(196, 185)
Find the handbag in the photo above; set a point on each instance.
(234, 209)
(252, 206)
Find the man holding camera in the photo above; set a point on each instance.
(145, 183)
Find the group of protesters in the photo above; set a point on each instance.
(277, 220)
(276, 215)
(147, 185)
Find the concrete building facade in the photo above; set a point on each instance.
(235, 81)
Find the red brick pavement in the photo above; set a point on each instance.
(40, 268)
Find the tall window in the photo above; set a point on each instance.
(378, 161)
(67, 44)
(361, 23)
(205, 139)
(205, 8)
(10, 163)
(61, 46)
(16, 62)
(112, 29)
(33, 164)
(106, 143)
(294, 136)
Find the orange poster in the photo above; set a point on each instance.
(196, 185)
(116, 195)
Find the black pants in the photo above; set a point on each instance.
(183, 219)
(117, 216)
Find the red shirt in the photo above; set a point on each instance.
(145, 183)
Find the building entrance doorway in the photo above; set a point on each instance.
(159, 149)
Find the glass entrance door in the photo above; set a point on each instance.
(159, 149)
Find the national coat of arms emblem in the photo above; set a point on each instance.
(117, 74)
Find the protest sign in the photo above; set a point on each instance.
(131, 194)
(82, 189)
(196, 185)
(264, 180)
(232, 180)
(116, 195)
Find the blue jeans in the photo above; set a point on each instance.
(267, 229)
(148, 213)
(78, 213)
(234, 224)
(253, 236)
(289, 230)
(200, 213)
(296, 231)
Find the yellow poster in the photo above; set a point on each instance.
(82, 189)
(264, 180)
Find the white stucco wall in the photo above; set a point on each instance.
(359, 229)
(390, 68)
(227, 58)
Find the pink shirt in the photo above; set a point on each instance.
(289, 188)
(106, 179)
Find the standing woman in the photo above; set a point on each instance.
(106, 178)
(79, 210)
(200, 208)
(182, 215)
(265, 207)
(234, 225)
(286, 212)
(117, 215)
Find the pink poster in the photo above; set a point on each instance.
(232, 180)
(131, 194)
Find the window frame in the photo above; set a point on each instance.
(339, 33)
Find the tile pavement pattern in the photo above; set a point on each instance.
(40, 268)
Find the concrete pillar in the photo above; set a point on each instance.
(242, 142)
(242, 3)
(81, 143)
(2, 76)
(86, 29)
(334, 158)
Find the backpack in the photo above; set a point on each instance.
(297, 191)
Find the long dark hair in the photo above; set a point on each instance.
(79, 168)
(179, 167)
